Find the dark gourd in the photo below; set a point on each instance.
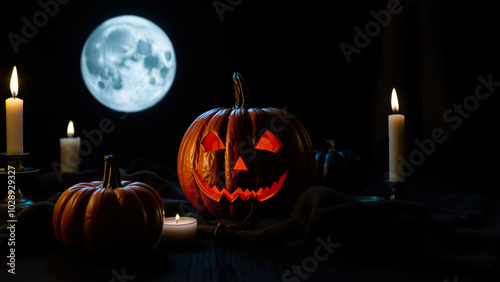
(342, 170)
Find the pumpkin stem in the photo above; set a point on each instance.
(111, 177)
(332, 144)
(241, 92)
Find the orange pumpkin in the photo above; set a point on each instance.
(100, 215)
(235, 161)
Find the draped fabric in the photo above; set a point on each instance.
(460, 230)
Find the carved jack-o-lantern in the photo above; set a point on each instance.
(232, 159)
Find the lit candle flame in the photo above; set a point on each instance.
(14, 85)
(394, 101)
(71, 129)
(177, 217)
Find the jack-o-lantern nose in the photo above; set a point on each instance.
(240, 165)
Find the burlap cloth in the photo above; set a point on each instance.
(384, 229)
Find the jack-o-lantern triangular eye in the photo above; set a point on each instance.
(269, 142)
(212, 142)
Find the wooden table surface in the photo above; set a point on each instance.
(209, 260)
(225, 261)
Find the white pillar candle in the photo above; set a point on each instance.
(14, 118)
(179, 231)
(70, 150)
(396, 140)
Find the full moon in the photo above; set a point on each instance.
(128, 63)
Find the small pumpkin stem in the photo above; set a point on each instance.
(111, 177)
(332, 143)
(241, 92)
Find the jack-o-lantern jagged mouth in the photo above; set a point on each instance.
(260, 195)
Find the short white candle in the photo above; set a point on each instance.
(179, 231)
(14, 118)
(396, 140)
(70, 150)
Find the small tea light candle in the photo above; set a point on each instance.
(179, 231)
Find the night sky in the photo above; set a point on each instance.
(289, 53)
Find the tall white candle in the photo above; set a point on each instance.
(14, 118)
(70, 150)
(396, 140)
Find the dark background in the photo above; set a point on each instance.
(289, 55)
